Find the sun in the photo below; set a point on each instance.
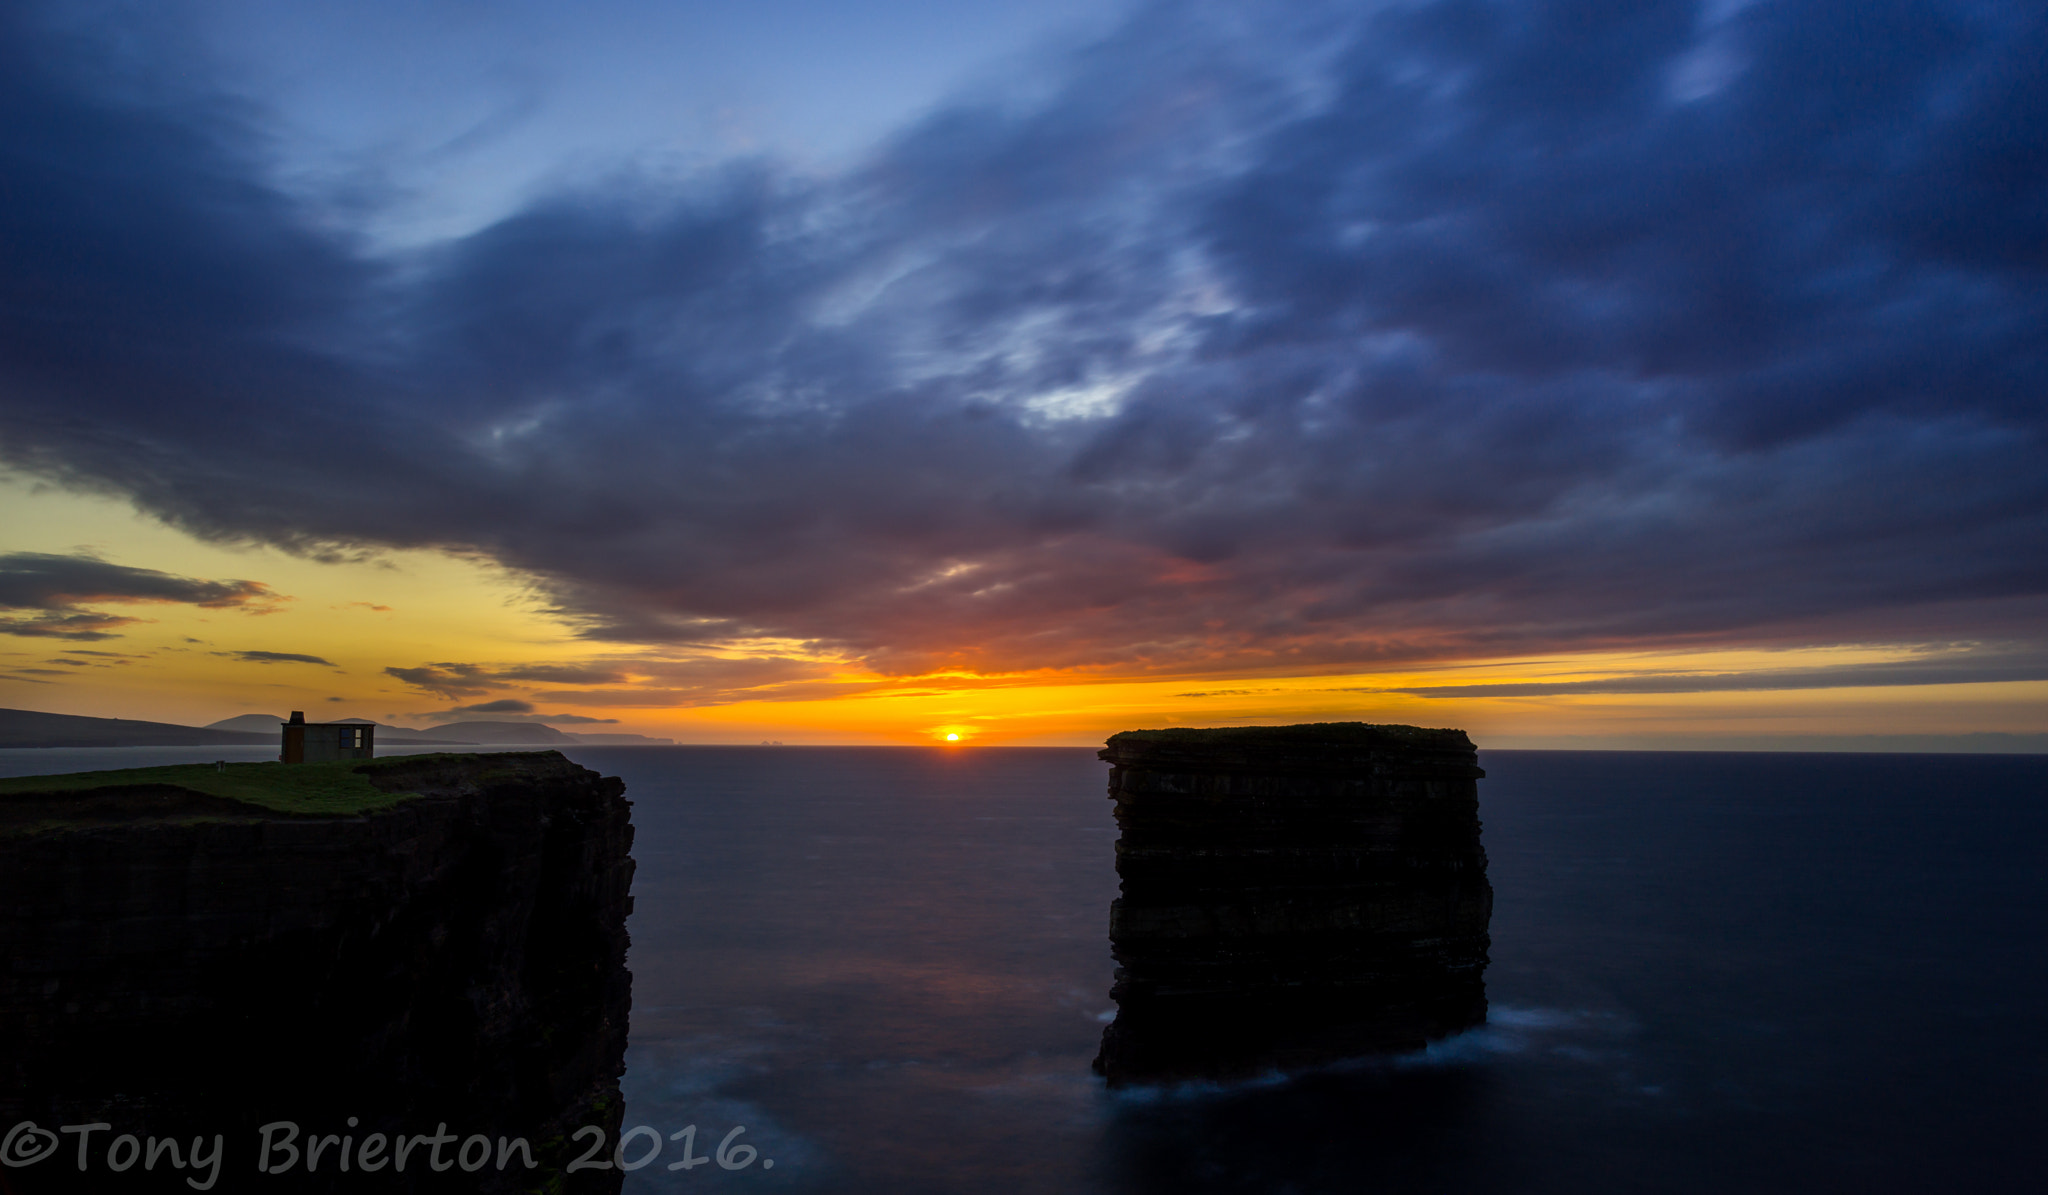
(953, 738)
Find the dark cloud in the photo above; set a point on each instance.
(1380, 333)
(1961, 669)
(714, 680)
(467, 680)
(651, 681)
(86, 626)
(275, 657)
(505, 706)
(511, 710)
(448, 680)
(55, 587)
(562, 674)
(650, 697)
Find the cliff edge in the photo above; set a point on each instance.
(384, 946)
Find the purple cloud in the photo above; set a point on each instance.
(1435, 330)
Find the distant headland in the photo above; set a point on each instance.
(32, 728)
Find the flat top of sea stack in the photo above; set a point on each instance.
(1310, 747)
(1334, 734)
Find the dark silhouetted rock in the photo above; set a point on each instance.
(1292, 895)
(178, 963)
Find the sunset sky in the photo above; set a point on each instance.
(1646, 374)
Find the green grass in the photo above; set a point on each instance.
(335, 789)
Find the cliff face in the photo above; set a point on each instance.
(1292, 895)
(178, 963)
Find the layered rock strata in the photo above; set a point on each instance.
(180, 964)
(1292, 895)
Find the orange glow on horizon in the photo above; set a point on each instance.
(1052, 710)
(352, 638)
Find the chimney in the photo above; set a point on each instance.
(298, 717)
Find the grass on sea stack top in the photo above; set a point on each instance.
(1307, 732)
(337, 789)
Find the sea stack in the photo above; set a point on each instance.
(1292, 895)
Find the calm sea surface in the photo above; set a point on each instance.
(1712, 973)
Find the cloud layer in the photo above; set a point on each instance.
(1381, 333)
(1943, 668)
(53, 589)
(276, 657)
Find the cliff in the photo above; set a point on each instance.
(1292, 895)
(405, 942)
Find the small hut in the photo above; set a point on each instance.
(319, 742)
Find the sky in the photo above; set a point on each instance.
(1630, 375)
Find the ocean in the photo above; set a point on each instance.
(887, 970)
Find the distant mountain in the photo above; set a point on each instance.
(249, 724)
(393, 735)
(31, 728)
(527, 734)
(406, 735)
(379, 725)
(522, 733)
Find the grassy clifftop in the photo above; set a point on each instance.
(333, 789)
(344, 788)
(240, 790)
